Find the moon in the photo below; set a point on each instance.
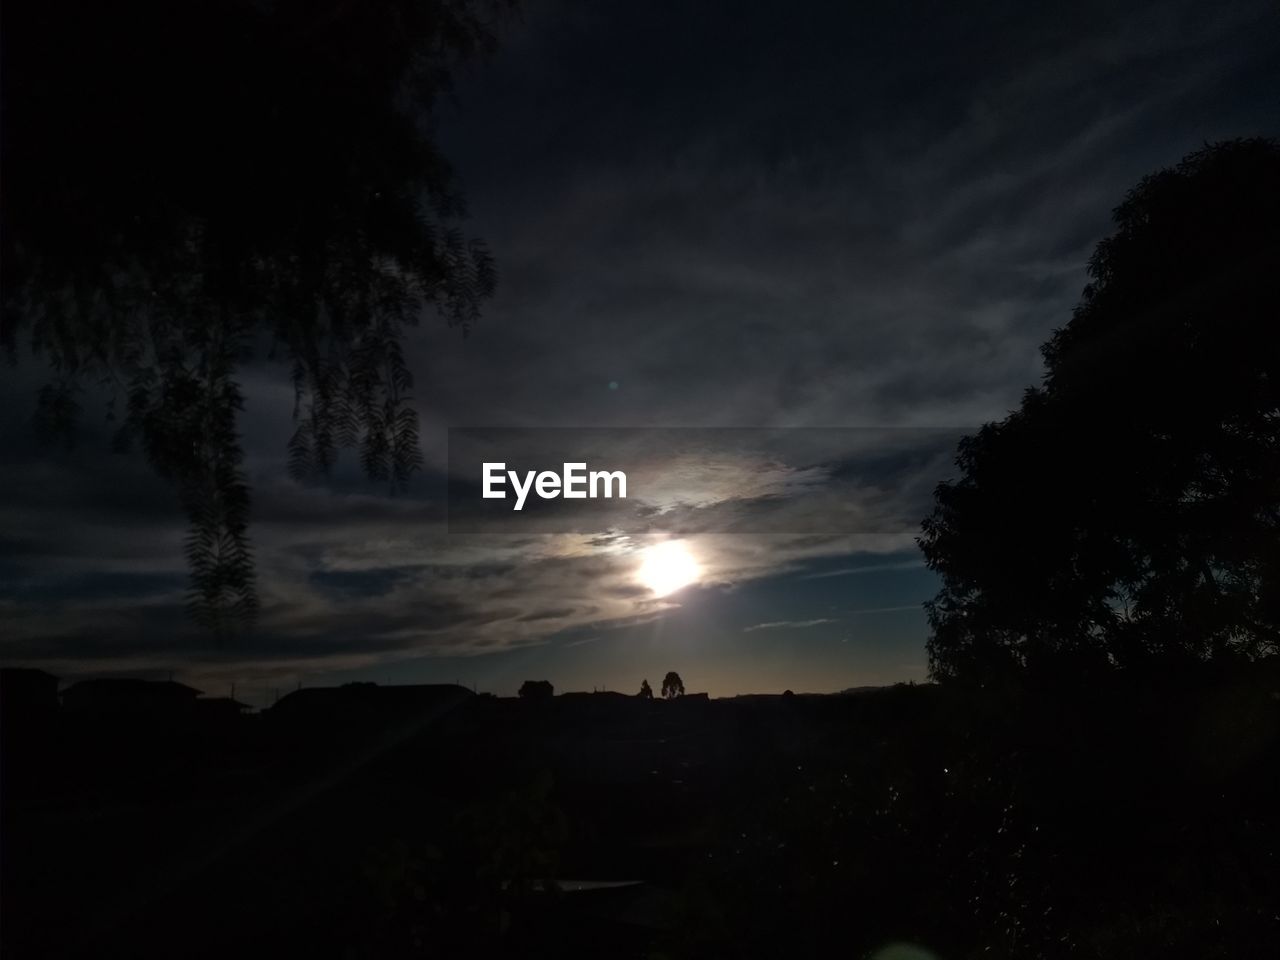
(666, 567)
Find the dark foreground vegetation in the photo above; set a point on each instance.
(1118, 818)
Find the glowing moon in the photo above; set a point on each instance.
(666, 567)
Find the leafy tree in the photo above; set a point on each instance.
(646, 691)
(672, 686)
(1130, 507)
(191, 186)
(537, 690)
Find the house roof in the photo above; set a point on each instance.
(26, 674)
(124, 687)
(368, 694)
(226, 702)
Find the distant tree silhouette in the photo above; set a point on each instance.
(191, 185)
(537, 690)
(1130, 507)
(672, 686)
(646, 691)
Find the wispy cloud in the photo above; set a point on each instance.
(790, 624)
(900, 609)
(874, 568)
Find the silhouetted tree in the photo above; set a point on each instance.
(537, 690)
(672, 686)
(1131, 506)
(190, 185)
(646, 691)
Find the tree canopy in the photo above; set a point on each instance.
(672, 686)
(536, 690)
(1130, 507)
(191, 185)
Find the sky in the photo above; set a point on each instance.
(719, 215)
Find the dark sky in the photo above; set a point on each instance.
(710, 214)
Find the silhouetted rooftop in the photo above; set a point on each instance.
(221, 703)
(24, 688)
(368, 696)
(129, 687)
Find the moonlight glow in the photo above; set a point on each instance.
(668, 566)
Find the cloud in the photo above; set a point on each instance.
(871, 568)
(780, 624)
(899, 609)
(845, 238)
